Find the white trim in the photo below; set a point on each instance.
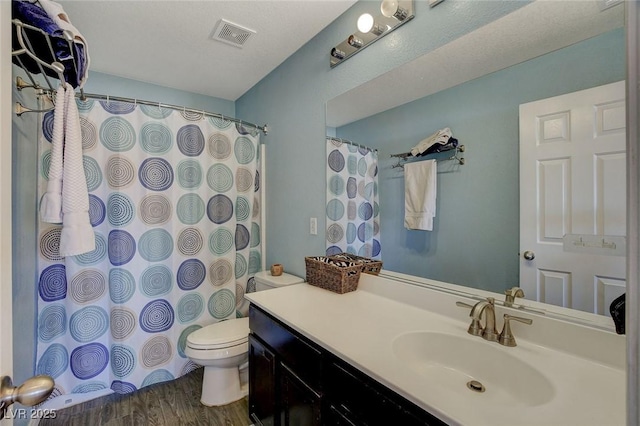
(6, 330)
(633, 207)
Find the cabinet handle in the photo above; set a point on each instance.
(256, 419)
(267, 355)
(342, 415)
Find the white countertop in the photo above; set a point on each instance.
(360, 328)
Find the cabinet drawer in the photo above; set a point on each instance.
(369, 402)
(300, 355)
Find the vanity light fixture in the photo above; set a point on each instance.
(365, 23)
(391, 8)
(394, 13)
(355, 41)
(337, 53)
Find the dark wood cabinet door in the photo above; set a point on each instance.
(262, 383)
(300, 404)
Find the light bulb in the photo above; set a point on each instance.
(389, 7)
(365, 23)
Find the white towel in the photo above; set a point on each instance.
(420, 194)
(77, 234)
(51, 205)
(441, 136)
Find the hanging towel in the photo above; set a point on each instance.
(440, 137)
(77, 234)
(51, 205)
(420, 194)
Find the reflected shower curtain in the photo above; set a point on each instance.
(174, 207)
(353, 222)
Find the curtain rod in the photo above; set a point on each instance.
(351, 143)
(83, 96)
(21, 84)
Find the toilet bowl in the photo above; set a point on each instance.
(222, 349)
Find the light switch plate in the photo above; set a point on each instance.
(313, 226)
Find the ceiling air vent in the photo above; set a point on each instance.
(230, 33)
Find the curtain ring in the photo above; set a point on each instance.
(108, 100)
(203, 114)
(135, 103)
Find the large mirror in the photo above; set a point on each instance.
(475, 86)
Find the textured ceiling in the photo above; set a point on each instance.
(167, 42)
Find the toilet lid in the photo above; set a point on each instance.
(221, 334)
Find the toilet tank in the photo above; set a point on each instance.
(264, 280)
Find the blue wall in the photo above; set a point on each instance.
(105, 84)
(292, 100)
(475, 241)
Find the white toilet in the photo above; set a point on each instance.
(223, 349)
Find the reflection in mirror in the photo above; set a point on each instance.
(475, 237)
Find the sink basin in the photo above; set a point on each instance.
(451, 362)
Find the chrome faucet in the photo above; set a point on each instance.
(489, 331)
(511, 295)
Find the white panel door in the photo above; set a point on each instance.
(572, 181)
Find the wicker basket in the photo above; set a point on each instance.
(371, 266)
(323, 272)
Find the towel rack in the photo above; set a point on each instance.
(406, 155)
(23, 34)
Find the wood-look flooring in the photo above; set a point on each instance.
(176, 402)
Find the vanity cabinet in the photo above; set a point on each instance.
(295, 382)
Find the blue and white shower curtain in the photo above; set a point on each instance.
(353, 221)
(174, 204)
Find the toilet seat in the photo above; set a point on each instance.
(220, 335)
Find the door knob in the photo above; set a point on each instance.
(529, 255)
(31, 392)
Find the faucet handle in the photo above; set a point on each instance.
(511, 295)
(506, 336)
(464, 305)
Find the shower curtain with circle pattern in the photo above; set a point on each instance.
(174, 205)
(353, 221)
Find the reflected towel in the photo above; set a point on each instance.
(420, 194)
(51, 205)
(77, 234)
(440, 137)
